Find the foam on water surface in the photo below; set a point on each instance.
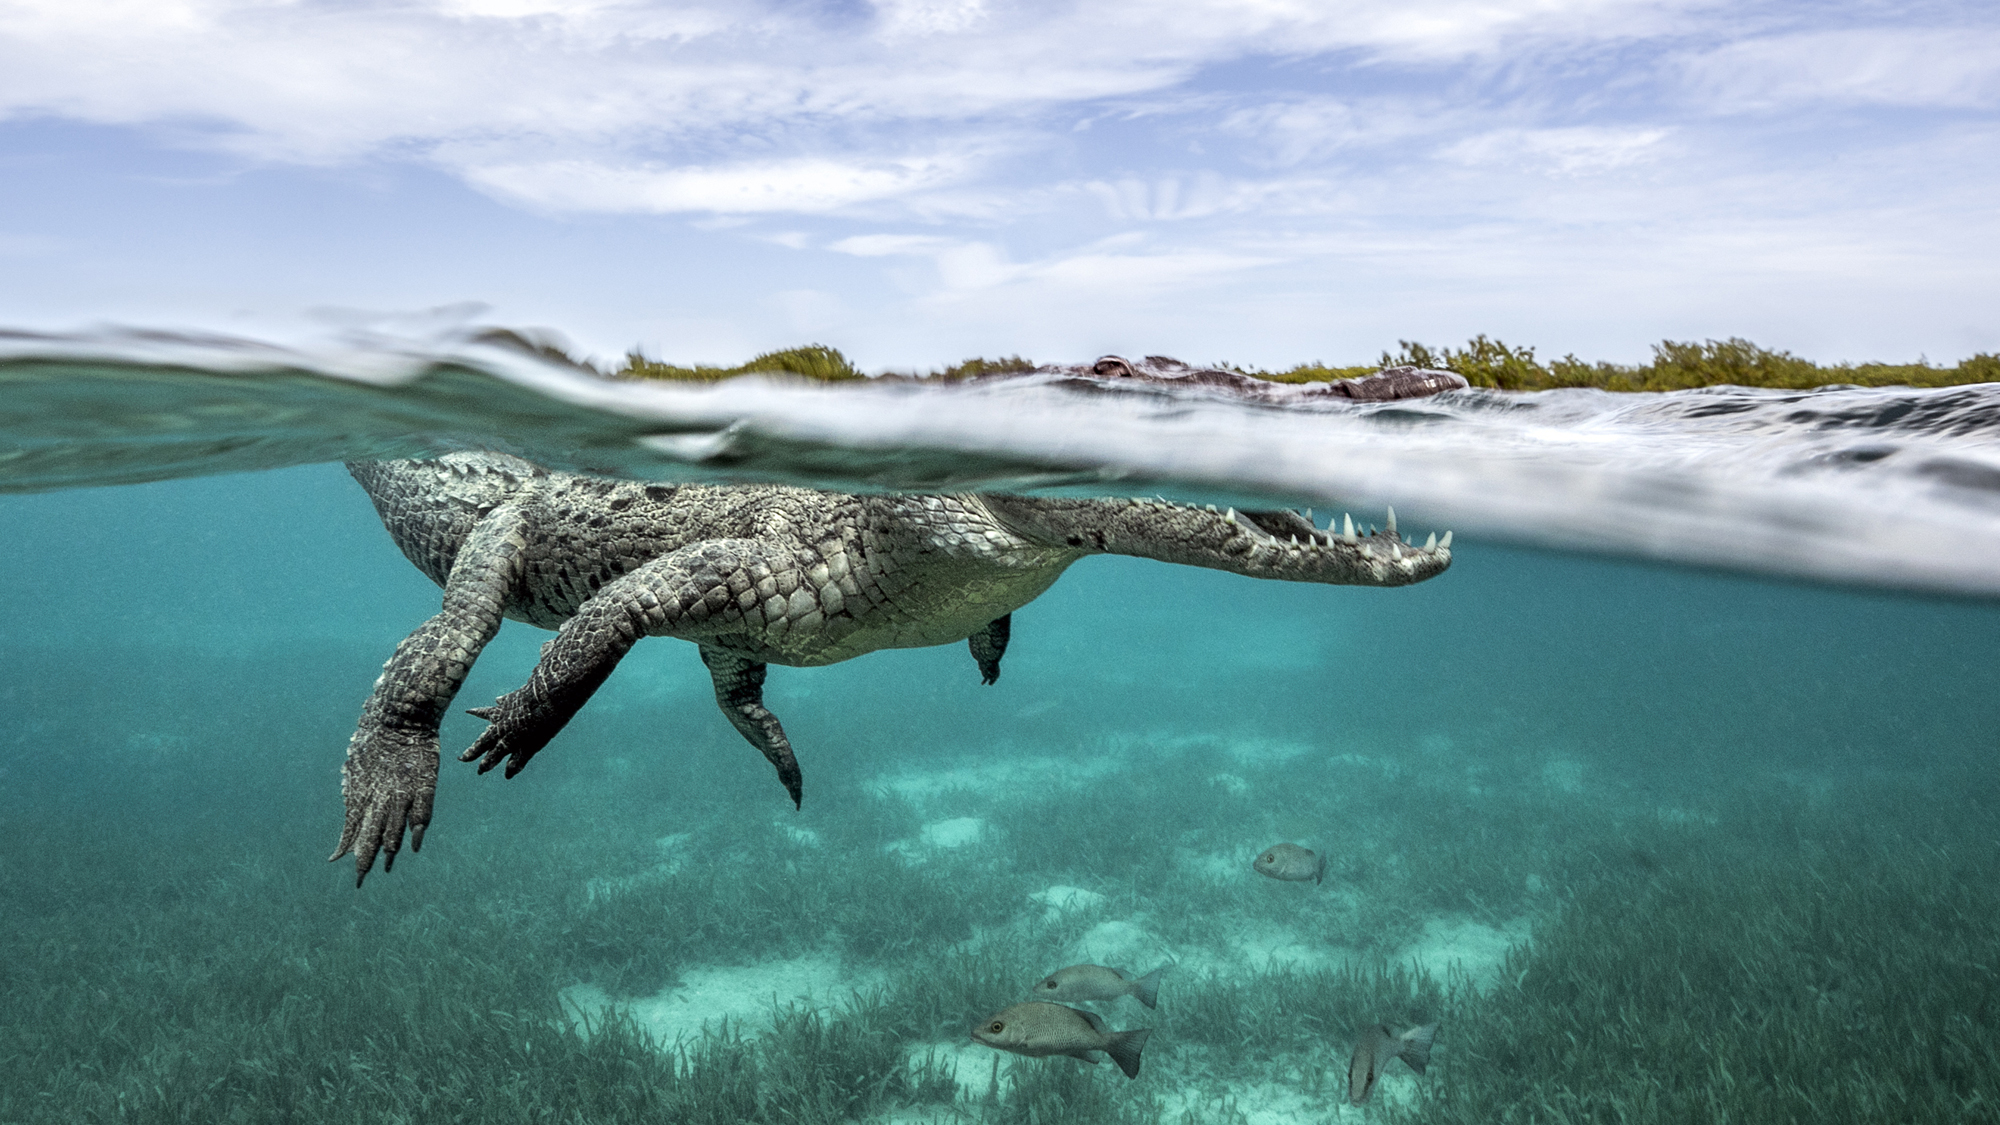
(1760, 480)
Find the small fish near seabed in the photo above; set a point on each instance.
(1376, 1046)
(1038, 1029)
(1096, 982)
(1291, 863)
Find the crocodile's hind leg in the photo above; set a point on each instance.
(696, 593)
(390, 774)
(989, 645)
(739, 691)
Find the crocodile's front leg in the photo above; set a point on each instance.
(695, 593)
(739, 691)
(390, 775)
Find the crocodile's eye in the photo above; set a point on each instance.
(1269, 857)
(996, 1027)
(1049, 984)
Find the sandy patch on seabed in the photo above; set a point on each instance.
(1477, 949)
(743, 995)
(1274, 1103)
(997, 776)
(981, 1071)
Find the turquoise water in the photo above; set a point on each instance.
(1650, 843)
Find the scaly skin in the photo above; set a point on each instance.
(754, 574)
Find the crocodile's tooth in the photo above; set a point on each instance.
(1446, 541)
(1230, 515)
(1431, 542)
(1347, 527)
(1211, 507)
(1309, 516)
(1395, 550)
(1295, 540)
(1392, 521)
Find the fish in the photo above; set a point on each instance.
(1037, 1029)
(1095, 982)
(1291, 863)
(1376, 1046)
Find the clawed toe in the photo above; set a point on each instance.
(505, 740)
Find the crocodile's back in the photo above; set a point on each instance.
(862, 572)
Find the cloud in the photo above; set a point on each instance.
(892, 245)
(1955, 68)
(1297, 130)
(902, 18)
(1572, 151)
(971, 269)
(807, 185)
(659, 106)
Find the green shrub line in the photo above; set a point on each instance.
(814, 361)
(1491, 363)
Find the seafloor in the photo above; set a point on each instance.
(1650, 845)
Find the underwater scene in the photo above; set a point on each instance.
(1559, 834)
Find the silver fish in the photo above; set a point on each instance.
(1038, 1029)
(1095, 982)
(1376, 1046)
(1291, 863)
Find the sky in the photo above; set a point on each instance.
(1260, 182)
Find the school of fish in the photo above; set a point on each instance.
(1046, 1024)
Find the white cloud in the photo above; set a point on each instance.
(929, 17)
(1122, 263)
(1572, 151)
(1928, 67)
(1201, 195)
(1297, 130)
(804, 185)
(521, 9)
(654, 103)
(889, 245)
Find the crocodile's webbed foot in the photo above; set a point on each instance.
(573, 666)
(989, 645)
(522, 723)
(388, 782)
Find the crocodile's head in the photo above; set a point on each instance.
(1265, 544)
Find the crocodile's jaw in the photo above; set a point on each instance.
(1280, 545)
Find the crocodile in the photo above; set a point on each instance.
(754, 574)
